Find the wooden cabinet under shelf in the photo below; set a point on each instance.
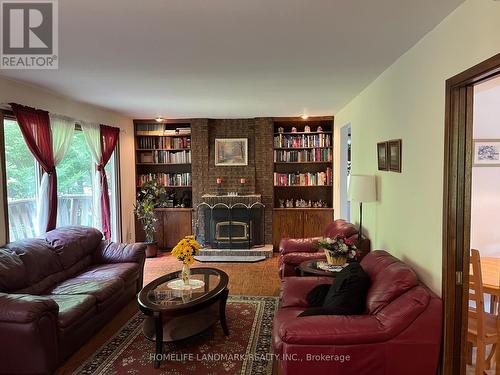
(172, 225)
(299, 223)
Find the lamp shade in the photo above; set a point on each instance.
(362, 188)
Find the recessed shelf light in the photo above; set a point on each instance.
(159, 119)
(304, 117)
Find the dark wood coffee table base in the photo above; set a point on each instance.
(162, 327)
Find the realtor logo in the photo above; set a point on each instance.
(29, 34)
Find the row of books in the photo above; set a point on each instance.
(166, 179)
(292, 141)
(166, 157)
(159, 129)
(317, 154)
(163, 142)
(304, 179)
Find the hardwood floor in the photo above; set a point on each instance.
(252, 279)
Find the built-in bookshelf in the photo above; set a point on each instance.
(303, 163)
(163, 153)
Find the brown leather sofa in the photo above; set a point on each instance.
(58, 290)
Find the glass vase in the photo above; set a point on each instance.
(185, 274)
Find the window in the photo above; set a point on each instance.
(76, 181)
(74, 185)
(22, 174)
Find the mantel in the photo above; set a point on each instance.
(246, 199)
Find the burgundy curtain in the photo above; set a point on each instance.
(35, 127)
(109, 138)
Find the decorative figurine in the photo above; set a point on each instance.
(307, 129)
(281, 129)
(294, 130)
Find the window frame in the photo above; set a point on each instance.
(9, 115)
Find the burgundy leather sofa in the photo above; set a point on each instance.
(58, 290)
(400, 333)
(294, 251)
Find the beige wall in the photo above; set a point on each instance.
(12, 91)
(407, 101)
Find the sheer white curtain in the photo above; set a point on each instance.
(62, 133)
(92, 135)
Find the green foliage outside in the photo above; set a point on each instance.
(74, 172)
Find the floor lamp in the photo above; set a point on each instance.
(362, 189)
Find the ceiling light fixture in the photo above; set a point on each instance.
(304, 117)
(159, 119)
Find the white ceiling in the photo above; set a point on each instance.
(230, 58)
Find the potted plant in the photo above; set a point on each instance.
(337, 250)
(147, 201)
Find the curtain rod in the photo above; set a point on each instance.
(6, 106)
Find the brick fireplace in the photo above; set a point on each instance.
(258, 173)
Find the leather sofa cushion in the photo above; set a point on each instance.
(73, 308)
(389, 279)
(294, 290)
(38, 258)
(126, 271)
(340, 228)
(100, 289)
(73, 243)
(12, 271)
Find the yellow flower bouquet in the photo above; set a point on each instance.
(186, 249)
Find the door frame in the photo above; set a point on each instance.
(457, 209)
(343, 193)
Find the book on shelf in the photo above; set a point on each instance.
(172, 157)
(304, 140)
(303, 156)
(159, 130)
(163, 142)
(324, 178)
(166, 179)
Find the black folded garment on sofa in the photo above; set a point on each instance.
(346, 296)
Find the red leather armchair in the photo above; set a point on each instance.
(57, 291)
(400, 333)
(294, 251)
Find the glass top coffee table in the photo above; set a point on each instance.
(174, 314)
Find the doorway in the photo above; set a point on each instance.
(458, 177)
(345, 171)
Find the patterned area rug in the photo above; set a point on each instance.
(247, 351)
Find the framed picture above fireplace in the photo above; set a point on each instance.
(231, 152)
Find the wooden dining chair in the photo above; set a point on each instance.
(482, 328)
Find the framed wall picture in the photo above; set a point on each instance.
(395, 155)
(382, 156)
(231, 152)
(486, 153)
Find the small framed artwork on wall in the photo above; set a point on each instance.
(231, 152)
(382, 157)
(395, 154)
(486, 153)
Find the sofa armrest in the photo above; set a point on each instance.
(25, 308)
(112, 252)
(299, 245)
(294, 290)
